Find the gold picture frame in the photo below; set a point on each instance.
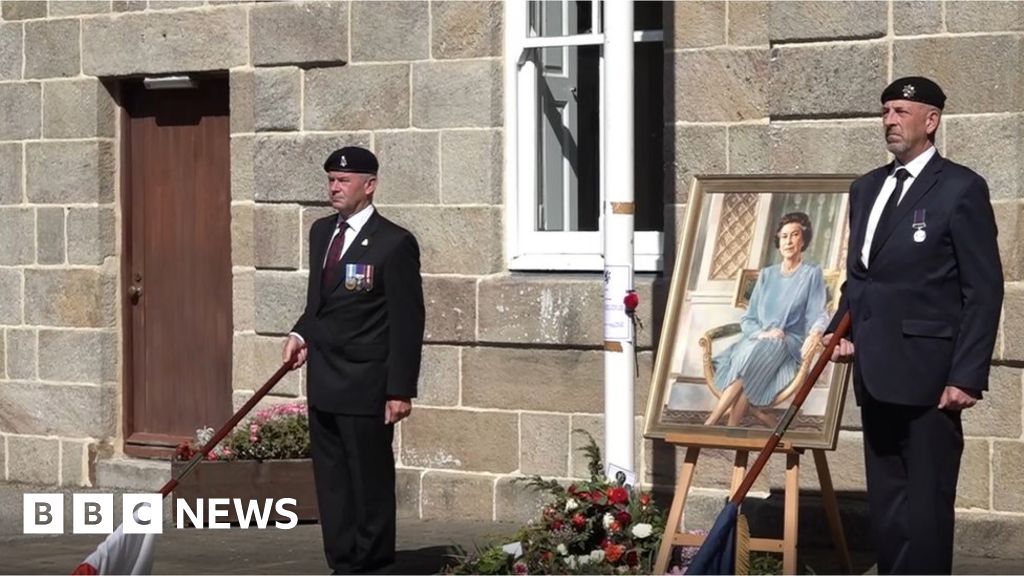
(729, 238)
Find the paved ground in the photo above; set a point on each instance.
(422, 549)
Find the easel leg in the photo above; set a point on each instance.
(739, 470)
(828, 496)
(792, 507)
(675, 515)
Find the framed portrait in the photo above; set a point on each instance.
(756, 281)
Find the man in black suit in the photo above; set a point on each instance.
(362, 332)
(924, 290)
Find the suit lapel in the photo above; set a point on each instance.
(873, 187)
(317, 253)
(359, 246)
(924, 182)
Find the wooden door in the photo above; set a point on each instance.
(177, 265)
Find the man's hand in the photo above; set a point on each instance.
(294, 346)
(396, 409)
(773, 334)
(954, 398)
(843, 352)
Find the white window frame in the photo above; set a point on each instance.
(527, 248)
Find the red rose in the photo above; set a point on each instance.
(618, 495)
(623, 518)
(579, 520)
(645, 499)
(631, 301)
(571, 489)
(632, 558)
(614, 526)
(614, 552)
(557, 525)
(596, 495)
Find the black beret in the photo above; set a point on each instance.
(917, 89)
(351, 159)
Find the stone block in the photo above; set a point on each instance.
(277, 103)
(827, 20)
(454, 240)
(78, 7)
(291, 166)
(987, 535)
(17, 236)
(515, 501)
(549, 309)
(74, 463)
(92, 235)
(33, 460)
(439, 376)
(451, 309)
(370, 96)
(972, 490)
(81, 298)
(1013, 322)
(77, 109)
(827, 80)
(280, 300)
(541, 380)
(999, 413)
(10, 51)
(807, 147)
(461, 440)
(963, 67)
(544, 444)
(719, 85)
(276, 231)
(242, 101)
(471, 167)
(964, 16)
(85, 410)
(578, 440)
(10, 304)
(243, 300)
(407, 494)
(50, 239)
(311, 214)
(1007, 464)
(449, 496)
(84, 355)
(257, 356)
(90, 181)
(299, 33)
(10, 174)
(242, 170)
(174, 4)
(916, 17)
(410, 167)
(693, 151)
(128, 5)
(52, 49)
(21, 353)
(748, 22)
(457, 94)
(990, 145)
(390, 31)
(23, 9)
(1010, 223)
(164, 42)
(243, 234)
(20, 115)
(698, 24)
(466, 29)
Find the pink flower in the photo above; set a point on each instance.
(521, 568)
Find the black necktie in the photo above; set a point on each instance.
(890, 208)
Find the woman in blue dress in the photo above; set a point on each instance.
(787, 305)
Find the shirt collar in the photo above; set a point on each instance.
(917, 164)
(359, 219)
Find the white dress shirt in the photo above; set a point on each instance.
(355, 224)
(913, 169)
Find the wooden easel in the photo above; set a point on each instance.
(743, 446)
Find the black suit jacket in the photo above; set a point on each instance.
(364, 344)
(925, 314)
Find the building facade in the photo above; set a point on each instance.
(121, 306)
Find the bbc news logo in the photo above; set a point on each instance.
(143, 513)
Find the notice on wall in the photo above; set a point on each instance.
(617, 281)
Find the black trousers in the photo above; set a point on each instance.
(354, 468)
(912, 459)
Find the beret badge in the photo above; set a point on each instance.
(909, 90)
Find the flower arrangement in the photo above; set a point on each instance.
(593, 527)
(275, 433)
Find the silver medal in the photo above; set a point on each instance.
(919, 236)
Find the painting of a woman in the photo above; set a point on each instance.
(786, 306)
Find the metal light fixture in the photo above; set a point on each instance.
(168, 82)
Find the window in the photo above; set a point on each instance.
(554, 80)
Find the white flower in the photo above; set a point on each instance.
(641, 530)
(563, 550)
(571, 504)
(582, 560)
(607, 520)
(597, 556)
(572, 562)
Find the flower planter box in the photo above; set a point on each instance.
(250, 480)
